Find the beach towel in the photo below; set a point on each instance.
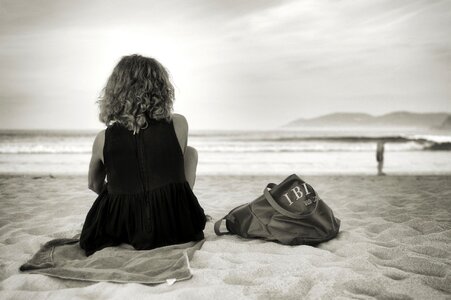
(63, 258)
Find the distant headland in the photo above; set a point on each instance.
(400, 119)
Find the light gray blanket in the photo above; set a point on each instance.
(63, 258)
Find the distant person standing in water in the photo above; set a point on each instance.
(380, 157)
(147, 200)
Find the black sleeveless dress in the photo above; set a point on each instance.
(147, 201)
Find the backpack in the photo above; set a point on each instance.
(290, 213)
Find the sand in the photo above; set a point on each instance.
(394, 242)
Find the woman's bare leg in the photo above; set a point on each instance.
(190, 158)
(380, 165)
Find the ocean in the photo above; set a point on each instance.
(246, 152)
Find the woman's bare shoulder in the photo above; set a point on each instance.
(181, 129)
(97, 147)
(180, 123)
(180, 120)
(100, 138)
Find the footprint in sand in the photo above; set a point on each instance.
(378, 228)
(431, 251)
(371, 288)
(412, 264)
(387, 254)
(396, 274)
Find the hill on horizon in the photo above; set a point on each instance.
(400, 119)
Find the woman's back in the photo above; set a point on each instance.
(144, 161)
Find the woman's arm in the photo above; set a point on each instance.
(96, 175)
(189, 153)
(181, 130)
(190, 160)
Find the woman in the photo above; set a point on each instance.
(147, 200)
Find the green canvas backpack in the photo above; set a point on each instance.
(290, 213)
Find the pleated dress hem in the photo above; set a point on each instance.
(165, 215)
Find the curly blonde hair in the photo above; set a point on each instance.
(138, 86)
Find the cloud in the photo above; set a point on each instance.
(229, 56)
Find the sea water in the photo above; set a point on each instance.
(246, 152)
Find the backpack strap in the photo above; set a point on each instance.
(218, 225)
(279, 208)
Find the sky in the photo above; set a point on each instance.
(235, 64)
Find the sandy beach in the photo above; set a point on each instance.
(394, 242)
